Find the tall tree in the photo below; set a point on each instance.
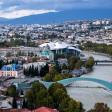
(1, 63)
(14, 103)
(90, 62)
(24, 103)
(72, 62)
(100, 107)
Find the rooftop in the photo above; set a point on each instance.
(11, 67)
(45, 109)
(59, 45)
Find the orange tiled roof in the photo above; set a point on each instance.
(45, 109)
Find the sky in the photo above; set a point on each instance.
(18, 8)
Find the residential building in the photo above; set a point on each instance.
(12, 70)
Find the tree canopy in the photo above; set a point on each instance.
(54, 97)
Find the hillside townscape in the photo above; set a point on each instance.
(55, 56)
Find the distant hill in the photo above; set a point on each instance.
(3, 19)
(59, 17)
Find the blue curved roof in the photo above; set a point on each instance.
(10, 67)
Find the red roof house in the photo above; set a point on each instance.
(45, 109)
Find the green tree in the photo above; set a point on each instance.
(42, 98)
(55, 97)
(64, 67)
(90, 62)
(44, 70)
(57, 67)
(70, 105)
(102, 48)
(38, 96)
(48, 77)
(67, 76)
(37, 86)
(63, 106)
(24, 103)
(78, 64)
(31, 71)
(58, 96)
(36, 71)
(14, 103)
(30, 99)
(51, 75)
(34, 59)
(1, 63)
(56, 86)
(57, 77)
(72, 61)
(100, 107)
(11, 91)
(75, 106)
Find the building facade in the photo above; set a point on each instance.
(12, 70)
(47, 53)
(62, 48)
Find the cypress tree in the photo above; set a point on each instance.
(24, 104)
(14, 103)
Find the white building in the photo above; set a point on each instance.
(62, 48)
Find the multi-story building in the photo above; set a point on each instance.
(12, 70)
(47, 53)
(59, 48)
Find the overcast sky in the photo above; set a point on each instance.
(20, 8)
